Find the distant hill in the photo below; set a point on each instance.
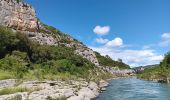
(142, 68)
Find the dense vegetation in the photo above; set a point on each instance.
(11, 90)
(160, 72)
(107, 61)
(23, 58)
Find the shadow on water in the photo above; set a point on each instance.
(135, 89)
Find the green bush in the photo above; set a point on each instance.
(8, 41)
(17, 97)
(59, 98)
(12, 90)
(15, 64)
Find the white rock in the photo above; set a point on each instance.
(7, 83)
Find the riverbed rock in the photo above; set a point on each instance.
(21, 95)
(86, 93)
(73, 90)
(7, 83)
(103, 83)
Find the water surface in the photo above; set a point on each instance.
(135, 89)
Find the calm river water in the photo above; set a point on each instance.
(135, 89)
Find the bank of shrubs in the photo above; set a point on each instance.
(24, 58)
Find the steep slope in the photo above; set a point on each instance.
(21, 16)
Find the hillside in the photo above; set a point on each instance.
(140, 69)
(31, 49)
(160, 73)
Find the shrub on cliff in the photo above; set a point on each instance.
(107, 61)
(166, 61)
(20, 55)
(8, 41)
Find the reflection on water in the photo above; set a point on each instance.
(135, 89)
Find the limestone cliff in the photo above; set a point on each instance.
(18, 15)
(22, 17)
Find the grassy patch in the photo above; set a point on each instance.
(12, 90)
(58, 98)
(62, 98)
(38, 75)
(17, 97)
(6, 75)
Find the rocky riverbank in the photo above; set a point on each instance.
(41, 90)
(159, 80)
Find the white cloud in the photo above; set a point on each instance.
(164, 43)
(165, 35)
(101, 30)
(166, 40)
(157, 58)
(117, 42)
(101, 40)
(116, 49)
(132, 57)
(146, 47)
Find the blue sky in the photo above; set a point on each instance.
(138, 31)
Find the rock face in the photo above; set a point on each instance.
(118, 72)
(88, 54)
(18, 15)
(43, 38)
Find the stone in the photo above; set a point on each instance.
(7, 83)
(23, 96)
(103, 83)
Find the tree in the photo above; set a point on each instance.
(120, 60)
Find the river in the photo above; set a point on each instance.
(135, 89)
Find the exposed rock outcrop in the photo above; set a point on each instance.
(88, 54)
(7, 83)
(18, 15)
(119, 72)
